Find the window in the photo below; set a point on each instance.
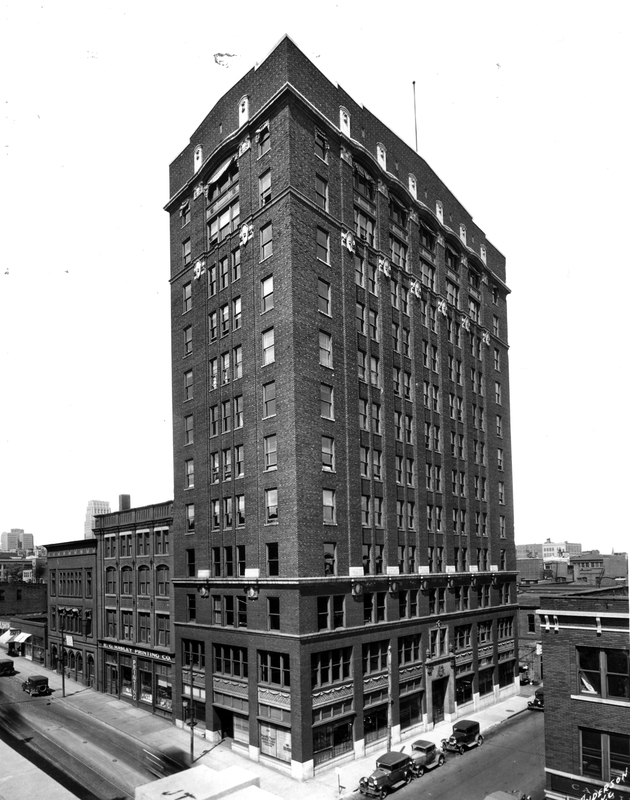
(325, 349)
(328, 506)
(188, 340)
(497, 360)
(375, 657)
(374, 371)
(270, 444)
(162, 581)
(327, 401)
(190, 517)
(264, 140)
(225, 223)
(189, 474)
(264, 188)
(213, 373)
(273, 563)
(274, 669)
(224, 272)
(226, 416)
(212, 326)
(186, 257)
(266, 241)
(484, 632)
(428, 276)
(499, 426)
(225, 368)
(500, 458)
(497, 393)
(214, 467)
(144, 581)
(501, 489)
(236, 264)
(268, 346)
(373, 324)
(238, 412)
(226, 463)
(271, 505)
(603, 673)
(330, 558)
(330, 613)
(237, 364)
(228, 660)
(321, 192)
(239, 502)
(323, 292)
(321, 145)
(188, 385)
(328, 453)
(364, 228)
(452, 259)
(273, 613)
(502, 533)
(495, 325)
(363, 182)
(225, 319)
(323, 245)
(605, 756)
(397, 213)
(162, 631)
(212, 280)
(236, 313)
(266, 294)
(269, 399)
(188, 429)
(399, 255)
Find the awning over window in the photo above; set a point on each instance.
(216, 175)
(22, 637)
(8, 636)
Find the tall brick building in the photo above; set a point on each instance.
(343, 482)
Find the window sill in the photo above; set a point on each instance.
(601, 700)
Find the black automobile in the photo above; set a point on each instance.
(425, 755)
(36, 685)
(538, 703)
(465, 735)
(393, 770)
(6, 666)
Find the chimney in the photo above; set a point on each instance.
(124, 502)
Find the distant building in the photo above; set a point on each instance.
(530, 570)
(548, 549)
(600, 569)
(94, 507)
(587, 694)
(15, 540)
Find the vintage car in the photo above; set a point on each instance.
(6, 666)
(393, 770)
(425, 755)
(538, 703)
(465, 735)
(36, 685)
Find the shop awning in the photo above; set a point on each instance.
(220, 171)
(22, 637)
(8, 636)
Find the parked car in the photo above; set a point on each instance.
(425, 755)
(36, 685)
(393, 770)
(6, 666)
(465, 735)
(538, 703)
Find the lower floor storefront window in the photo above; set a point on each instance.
(126, 676)
(485, 682)
(375, 723)
(506, 673)
(332, 740)
(275, 741)
(410, 711)
(464, 689)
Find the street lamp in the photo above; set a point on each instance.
(190, 706)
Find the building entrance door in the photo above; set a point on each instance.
(438, 696)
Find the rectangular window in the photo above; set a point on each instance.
(188, 429)
(328, 507)
(323, 245)
(224, 272)
(328, 453)
(264, 188)
(188, 345)
(603, 673)
(327, 401)
(189, 474)
(237, 364)
(225, 368)
(359, 270)
(268, 346)
(186, 255)
(364, 226)
(188, 385)
(190, 517)
(321, 145)
(321, 192)
(238, 412)
(266, 241)
(264, 140)
(269, 399)
(274, 669)
(373, 324)
(226, 416)
(271, 505)
(273, 562)
(605, 756)
(266, 294)
(325, 349)
(499, 426)
(330, 558)
(270, 444)
(273, 613)
(330, 613)
(323, 297)
(239, 502)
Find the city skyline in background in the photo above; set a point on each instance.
(96, 112)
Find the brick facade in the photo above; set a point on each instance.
(332, 579)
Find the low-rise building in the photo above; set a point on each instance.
(585, 640)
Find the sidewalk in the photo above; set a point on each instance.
(159, 733)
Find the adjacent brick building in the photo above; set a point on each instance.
(587, 694)
(343, 480)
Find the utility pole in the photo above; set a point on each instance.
(390, 696)
(192, 722)
(63, 666)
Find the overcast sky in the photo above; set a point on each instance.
(522, 111)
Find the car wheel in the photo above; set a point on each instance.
(480, 741)
(383, 794)
(441, 761)
(461, 749)
(420, 772)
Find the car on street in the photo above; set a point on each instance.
(36, 685)
(466, 734)
(393, 770)
(538, 703)
(425, 755)
(6, 666)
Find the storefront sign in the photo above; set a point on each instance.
(135, 651)
(574, 787)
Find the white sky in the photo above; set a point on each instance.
(522, 111)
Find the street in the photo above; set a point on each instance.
(87, 757)
(511, 758)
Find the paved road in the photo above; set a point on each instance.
(94, 761)
(511, 758)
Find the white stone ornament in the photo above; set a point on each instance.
(486, 338)
(244, 147)
(197, 191)
(347, 240)
(416, 289)
(199, 269)
(441, 307)
(383, 266)
(243, 236)
(465, 323)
